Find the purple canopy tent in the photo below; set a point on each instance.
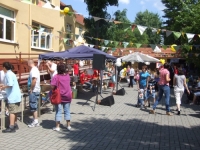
(81, 52)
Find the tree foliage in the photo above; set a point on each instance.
(183, 16)
(97, 8)
(150, 20)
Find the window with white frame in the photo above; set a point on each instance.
(80, 30)
(7, 27)
(68, 35)
(41, 36)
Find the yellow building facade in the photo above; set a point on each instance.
(34, 27)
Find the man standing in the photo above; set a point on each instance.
(131, 76)
(13, 95)
(75, 73)
(163, 88)
(34, 92)
(52, 68)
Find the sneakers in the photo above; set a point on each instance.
(169, 114)
(7, 113)
(152, 112)
(69, 128)
(56, 129)
(179, 113)
(16, 127)
(34, 124)
(9, 130)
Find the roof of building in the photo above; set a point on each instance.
(168, 53)
(79, 19)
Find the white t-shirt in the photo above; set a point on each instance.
(198, 84)
(34, 73)
(2, 76)
(54, 68)
(132, 72)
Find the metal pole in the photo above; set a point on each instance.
(116, 84)
(101, 80)
(20, 68)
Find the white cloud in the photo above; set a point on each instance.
(142, 2)
(158, 5)
(125, 1)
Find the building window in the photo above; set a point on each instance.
(41, 36)
(7, 26)
(80, 30)
(68, 35)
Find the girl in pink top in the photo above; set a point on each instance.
(62, 79)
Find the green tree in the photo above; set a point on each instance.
(97, 8)
(122, 32)
(150, 20)
(183, 16)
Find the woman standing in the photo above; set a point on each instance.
(179, 83)
(113, 77)
(143, 84)
(62, 80)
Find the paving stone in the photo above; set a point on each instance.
(121, 126)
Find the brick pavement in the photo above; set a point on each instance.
(121, 126)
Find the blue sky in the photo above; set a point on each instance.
(133, 7)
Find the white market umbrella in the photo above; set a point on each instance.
(139, 57)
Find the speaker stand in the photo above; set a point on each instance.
(97, 93)
(121, 87)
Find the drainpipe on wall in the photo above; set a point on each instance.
(29, 38)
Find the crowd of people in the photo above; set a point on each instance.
(152, 83)
(148, 82)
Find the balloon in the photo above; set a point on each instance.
(147, 63)
(118, 60)
(62, 12)
(172, 47)
(118, 64)
(162, 61)
(81, 64)
(66, 10)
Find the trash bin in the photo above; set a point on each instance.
(74, 93)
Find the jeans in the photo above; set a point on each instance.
(89, 85)
(58, 108)
(131, 81)
(166, 90)
(33, 101)
(141, 101)
(134, 83)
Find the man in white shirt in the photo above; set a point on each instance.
(2, 76)
(131, 75)
(34, 92)
(52, 68)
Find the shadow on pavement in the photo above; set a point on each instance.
(130, 134)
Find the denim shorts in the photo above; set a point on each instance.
(33, 101)
(113, 79)
(151, 95)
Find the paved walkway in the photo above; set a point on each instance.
(121, 126)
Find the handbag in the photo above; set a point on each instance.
(55, 95)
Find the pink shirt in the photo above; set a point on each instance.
(163, 73)
(64, 86)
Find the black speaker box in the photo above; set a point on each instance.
(120, 92)
(99, 61)
(108, 101)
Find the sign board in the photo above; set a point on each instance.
(158, 65)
